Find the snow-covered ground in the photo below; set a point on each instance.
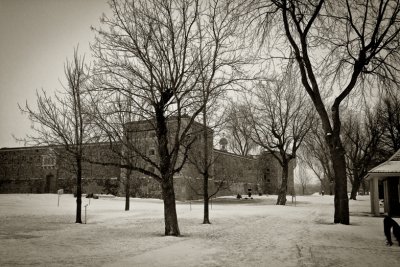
(34, 231)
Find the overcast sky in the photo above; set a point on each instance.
(36, 38)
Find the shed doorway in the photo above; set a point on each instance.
(392, 200)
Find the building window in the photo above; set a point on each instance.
(48, 161)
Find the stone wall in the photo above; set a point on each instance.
(237, 173)
(270, 174)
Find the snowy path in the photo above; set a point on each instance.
(34, 232)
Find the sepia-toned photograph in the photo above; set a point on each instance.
(193, 133)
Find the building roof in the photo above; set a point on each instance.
(54, 146)
(391, 166)
(250, 157)
(172, 118)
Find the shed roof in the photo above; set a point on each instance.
(396, 156)
(391, 166)
(387, 166)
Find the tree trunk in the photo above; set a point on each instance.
(337, 154)
(341, 198)
(127, 188)
(170, 217)
(355, 187)
(331, 186)
(283, 190)
(78, 190)
(364, 187)
(206, 218)
(167, 183)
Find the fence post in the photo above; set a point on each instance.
(85, 212)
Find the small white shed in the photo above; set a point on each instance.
(384, 183)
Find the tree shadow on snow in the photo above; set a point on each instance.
(330, 222)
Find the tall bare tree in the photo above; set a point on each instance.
(152, 52)
(219, 51)
(62, 121)
(388, 110)
(281, 119)
(110, 117)
(313, 154)
(204, 159)
(362, 48)
(303, 178)
(361, 137)
(239, 130)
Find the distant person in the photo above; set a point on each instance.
(388, 224)
(322, 192)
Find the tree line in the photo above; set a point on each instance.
(370, 136)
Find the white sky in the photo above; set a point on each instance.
(37, 36)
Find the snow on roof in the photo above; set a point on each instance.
(387, 166)
(395, 157)
(392, 165)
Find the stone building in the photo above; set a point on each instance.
(47, 169)
(27, 170)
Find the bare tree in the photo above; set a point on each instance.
(303, 178)
(281, 119)
(362, 48)
(62, 121)
(110, 117)
(153, 53)
(361, 138)
(314, 154)
(219, 51)
(204, 159)
(239, 130)
(388, 110)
